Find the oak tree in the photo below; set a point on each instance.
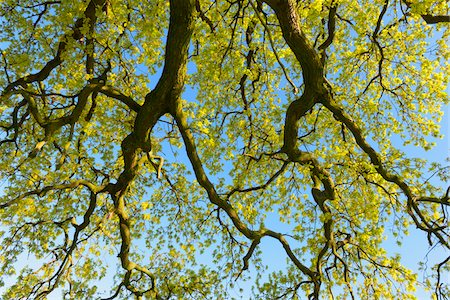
(148, 147)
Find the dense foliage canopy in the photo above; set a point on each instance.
(148, 147)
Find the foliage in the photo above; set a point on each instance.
(170, 133)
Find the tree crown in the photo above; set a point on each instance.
(168, 133)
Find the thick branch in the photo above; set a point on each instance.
(428, 18)
(116, 94)
(157, 103)
(296, 39)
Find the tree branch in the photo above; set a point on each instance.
(89, 14)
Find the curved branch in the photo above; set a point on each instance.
(42, 192)
(117, 94)
(89, 14)
(52, 125)
(331, 26)
(377, 162)
(262, 186)
(68, 255)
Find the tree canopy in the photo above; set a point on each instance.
(157, 143)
